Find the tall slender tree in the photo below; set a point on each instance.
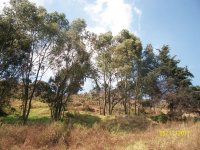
(73, 65)
(44, 31)
(127, 57)
(104, 47)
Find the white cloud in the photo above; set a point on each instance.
(3, 3)
(138, 11)
(113, 15)
(42, 2)
(37, 2)
(97, 29)
(139, 14)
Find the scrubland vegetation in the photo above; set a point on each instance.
(56, 136)
(89, 130)
(141, 100)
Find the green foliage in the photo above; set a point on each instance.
(127, 59)
(104, 41)
(164, 79)
(72, 66)
(14, 43)
(160, 118)
(7, 89)
(171, 76)
(11, 119)
(39, 35)
(83, 119)
(196, 95)
(127, 52)
(126, 124)
(149, 73)
(196, 119)
(2, 113)
(39, 114)
(32, 40)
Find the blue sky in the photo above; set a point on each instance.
(176, 23)
(172, 22)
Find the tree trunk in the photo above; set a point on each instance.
(100, 105)
(25, 102)
(135, 108)
(109, 96)
(125, 107)
(105, 95)
(126, 98)
(129, 108)
(28, 99)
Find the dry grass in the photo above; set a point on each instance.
(89, 131)
(57, 136)
(35, 104)
(38, 136)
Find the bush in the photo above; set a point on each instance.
(160, 118)
(2, 113)
(86, 120)
(126, 124)
(196, 119)
(88, 108)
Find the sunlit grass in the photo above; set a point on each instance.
(89, 130)
(39, 113)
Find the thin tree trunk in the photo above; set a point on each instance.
(109, 96)
(100, 105)
(129, 108)
(126, 98)
(28, 100)
(135, 108)
(32, 94)
(105, 95)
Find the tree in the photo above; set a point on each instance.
(14, 43)
(73, 65)
(196, 95)
(150, 75)
(43, 32)
(104, 47)
(7, 89)
(127, 58)
(172, 79)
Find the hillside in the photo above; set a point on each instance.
(85, 129)
(99, 75)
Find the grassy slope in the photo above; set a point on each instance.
(39, 113)
(88, 130)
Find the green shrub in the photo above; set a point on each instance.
(196, 119)
(160, 118)
(86, 120)
(126, 124)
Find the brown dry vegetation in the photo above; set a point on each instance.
(85, 130)
(60, 136)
